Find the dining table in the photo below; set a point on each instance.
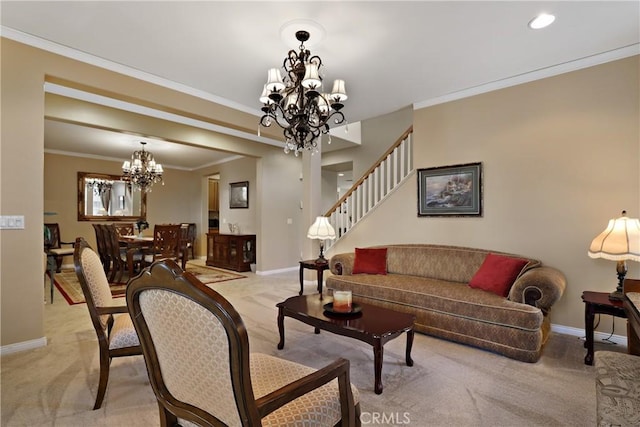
(135, 244)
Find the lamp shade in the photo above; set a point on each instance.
(321, 229)
(311, 77)
(274, 80)
(619, 241)
(339, 93)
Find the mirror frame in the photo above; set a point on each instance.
(84, 217)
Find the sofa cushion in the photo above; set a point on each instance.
(455, 299)
(497, 273)
(370, 261)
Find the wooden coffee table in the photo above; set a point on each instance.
(373, 325)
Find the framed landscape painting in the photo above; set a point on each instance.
(450, 190)
(239, 195)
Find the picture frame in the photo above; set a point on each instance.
(239, 195)
(453, 191)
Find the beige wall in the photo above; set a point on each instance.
(561, 156)
(179, 200)
(24, 72)
(237, 171)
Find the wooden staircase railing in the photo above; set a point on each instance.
(386, 174)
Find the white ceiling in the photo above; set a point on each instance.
(391, 54)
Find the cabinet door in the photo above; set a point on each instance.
(221, 249)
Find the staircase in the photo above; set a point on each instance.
(391, 170)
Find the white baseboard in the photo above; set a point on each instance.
(281, 270)
(579, 332)
(23, 346)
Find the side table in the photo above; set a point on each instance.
(312, 264)
(597, 302)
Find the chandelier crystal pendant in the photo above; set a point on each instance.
(142, 171)
(297, 103)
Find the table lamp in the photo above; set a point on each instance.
(321, 230)
(620, 242)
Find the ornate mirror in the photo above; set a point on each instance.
(103, 197)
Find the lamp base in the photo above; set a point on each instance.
(616, 296)
(322, 260)
(621, 269)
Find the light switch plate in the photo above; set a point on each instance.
(12, 222)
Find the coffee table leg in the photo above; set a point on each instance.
(301, 279)
(409, 345)
(281, 328)
(377, 365)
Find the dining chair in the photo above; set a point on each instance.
(115, 331)
(101, 243)
(190, 237)
(124, 228)
(118, 255)
(167, 243)
(196, 350)
(54, 245)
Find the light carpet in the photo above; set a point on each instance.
(67, 282)
(449, 385)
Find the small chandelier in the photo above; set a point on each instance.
(297, 103)
(100, 186)
(142, 171)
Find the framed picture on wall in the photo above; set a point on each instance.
(239, 195)
(450, 190)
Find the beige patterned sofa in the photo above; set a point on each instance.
(431, 281)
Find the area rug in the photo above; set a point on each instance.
(67, 283)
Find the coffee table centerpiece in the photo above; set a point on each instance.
(367, 323)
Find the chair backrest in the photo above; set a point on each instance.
(191, 230)
(94, 284)
(101, 241)
(53, 236)
(112, 238)
(166, 240)
(195, 346)
(124, 228)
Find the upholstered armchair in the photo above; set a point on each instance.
(116, 334)
(196, 350)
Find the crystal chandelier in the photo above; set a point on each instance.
(297, 103)
(142, 171)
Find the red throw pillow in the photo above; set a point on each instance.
(370, 261)
(497, 273)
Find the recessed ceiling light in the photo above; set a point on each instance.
(541, 21)
(340, 174)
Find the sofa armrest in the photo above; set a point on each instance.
(540, 287)
(342, 264)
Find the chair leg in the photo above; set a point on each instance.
(114, 270)
(167, 419)
(105, 361)
(121, 269)
(58, 263)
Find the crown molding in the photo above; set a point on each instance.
(77, 55)
(542, 73)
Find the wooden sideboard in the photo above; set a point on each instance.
(231, 251)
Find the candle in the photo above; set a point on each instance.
(342, 301)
